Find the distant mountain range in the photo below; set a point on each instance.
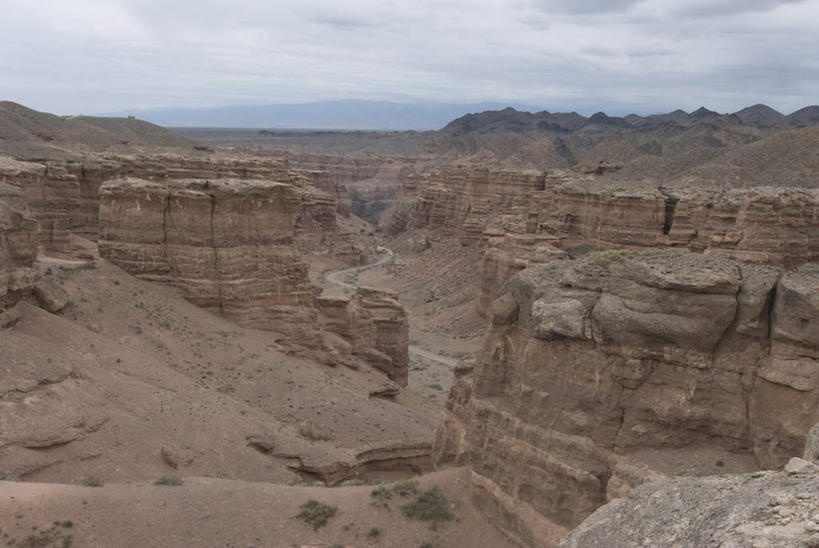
(391, 116)
(510, 120)
(345, 115)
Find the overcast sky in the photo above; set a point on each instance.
(72, 56)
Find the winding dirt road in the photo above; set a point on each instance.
(336, 278)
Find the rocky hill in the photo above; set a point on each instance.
(29, 134)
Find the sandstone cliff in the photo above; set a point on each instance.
(583, 209)
(371, 325)
(18, 250)
(463, 202)
(230, 246)
(602, 373)
(64, 195)
(227, 243)
(767, 225)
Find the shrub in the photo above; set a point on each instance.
(92, 481)
(381, 493)
(316, 514)
(429, 506)
(375, 532)
(405, 488)
(605, 258)
(169, 480)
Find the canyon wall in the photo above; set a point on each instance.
(227, 243)
(464, 202)
(18, 251)
(602, 373)
(583, 209)
(64, 195)
(766, 225)
(230, 246)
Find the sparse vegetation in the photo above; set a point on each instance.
(809, 268)
(405, 488)
(382, 494)
(316, 514)
(173, 481)
(92, 481)
(52, 537)
(605, 258)
(430, 506)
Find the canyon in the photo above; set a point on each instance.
(560, 324)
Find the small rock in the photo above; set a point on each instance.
(800, 466)
(170, 457)
(387, 390)
(50, 296)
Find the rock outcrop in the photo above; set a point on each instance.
(371, 325)
(582, 208)
(602, 373)
(230, 246)
(18, 251)
(766, 225)
(759, 509)
(227, 243)
(506, 256)
(463, 202)
(63, 196)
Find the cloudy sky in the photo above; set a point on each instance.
(71, 56)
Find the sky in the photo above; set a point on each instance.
(620, 56)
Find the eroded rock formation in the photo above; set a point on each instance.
(463, 202)
(601, 373)
(63, 196)
(227, 243)
(506, 256)
(759, 509)
(18, 250)
(767, 225)
(230, 246)
(371, 325)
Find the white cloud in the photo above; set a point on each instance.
(622, 55)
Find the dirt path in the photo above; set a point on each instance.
(337, 278)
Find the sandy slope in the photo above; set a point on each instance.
(230, 513)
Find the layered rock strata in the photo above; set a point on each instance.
(230, 245)
(463, 202)
(64, 196)
(580, 208)
(602, 373)
(18, 251)
(763, 224)
(371, 325)
(226, 243)
(506, 256)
